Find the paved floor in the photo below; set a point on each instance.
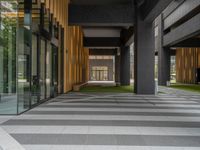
(78, 121)
(8, 143)
(178, 92)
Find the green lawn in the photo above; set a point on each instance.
(192, 88)
(108, 89)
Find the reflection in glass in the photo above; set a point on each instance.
(46, 15)
(54, 73)
(42, 70)
(34, 83)
(28, 64)
(24, 59)
(48, 70)
(8, 23)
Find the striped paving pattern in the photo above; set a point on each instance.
(78, 121)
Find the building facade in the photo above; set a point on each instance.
(44, 45)
(177, 36)
(41, 56)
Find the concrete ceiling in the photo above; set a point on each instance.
(111, 32)
(104, 20)
(100, 2)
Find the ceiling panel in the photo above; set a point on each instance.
(100, 2)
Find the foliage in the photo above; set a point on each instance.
(8, 49)
(187, 87)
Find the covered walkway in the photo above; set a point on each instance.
(106, 121)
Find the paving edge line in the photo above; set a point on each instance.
(7, 142)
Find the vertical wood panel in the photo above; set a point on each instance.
(75, 55)
(187, 61)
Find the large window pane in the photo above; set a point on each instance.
(8, 23)
(54, 73)
(35, 89)
(23, 70)
(42, 70)
(48, 70)
(35, 79)
(24, 39)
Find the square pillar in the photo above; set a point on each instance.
(117, 68)
(144, 55)
(125, 66)
(163, 56)
(163, 66)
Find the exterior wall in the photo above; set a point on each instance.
(75, 55)
(180, 25)
(41, 56)
(187, 61)
(102, 62)
(181, 20)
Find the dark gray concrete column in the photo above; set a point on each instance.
(163, 56)
(117, 68)
(163, 66)
(144, 53)
(125, 66)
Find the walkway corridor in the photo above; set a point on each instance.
(79, 121)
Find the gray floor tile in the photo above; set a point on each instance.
(117, 106)
(126, 140)
(101, 140)
(112, 113)
(102, 123)
(129, 140)
(50, 139)
(141, 140)
(179, 141)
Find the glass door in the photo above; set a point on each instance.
(34, 72)
(54, 72)
(105, 75)
(97, 75)
(42, 71)
(100, 73)
(48, 70)
(23, 74)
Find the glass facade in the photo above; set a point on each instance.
(8, 83)
(28, 57)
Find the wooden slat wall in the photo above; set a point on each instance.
(187, 61)
(75, 56)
